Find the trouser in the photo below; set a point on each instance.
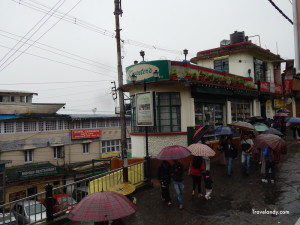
(196, 183)
(246, 161)
(269, 166)
(229, 165)
(179, 187)
(165, 193)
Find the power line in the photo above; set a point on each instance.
(60, 82)
(280, 11)
(41, 36)
(102, 65)
(42, 57)
(31, 35)
(94, 28)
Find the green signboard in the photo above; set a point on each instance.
(38, 172)
(145, 70)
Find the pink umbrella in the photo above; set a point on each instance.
(173, 152)
(281, 114)
(102, 206)
(201, 150)
(275, 142)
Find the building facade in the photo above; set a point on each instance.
(38, 146)
(230, 83)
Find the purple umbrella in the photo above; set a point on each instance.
(173, 152)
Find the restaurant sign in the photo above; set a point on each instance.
(144, 109)
(87, 133)
(38, 172)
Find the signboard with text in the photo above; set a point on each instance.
(264, 86)
(144, 109)
(38, 172)
(288, 84)
(87, 133)
(278, 89)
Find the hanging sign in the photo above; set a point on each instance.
(144, 109)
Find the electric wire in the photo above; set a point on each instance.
(280, 11)
(72, 58)
(31, 35)
(63, 63)
(63, 51)
(40, 36)
(102, 31)
(59, 82)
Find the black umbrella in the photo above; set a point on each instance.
(273, 131)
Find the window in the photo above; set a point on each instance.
(28, 155)
(101, 123)
(111, 145)
(60, 124)
(41, 126)
(57, 150)
(240, 111)
(221, 65)
(9, 127)
(168, 106)
(86, 124)
(29, 126)
(51, 125)
(19, 126)
(259, 70)
(208, 114)
(86, 149)
(12, 98)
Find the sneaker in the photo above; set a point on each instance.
(200, 195)
(264, 180)
(272, 181)
(180, 206)
(169, 203)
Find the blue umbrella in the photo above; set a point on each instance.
(224, 130)
(293, 120)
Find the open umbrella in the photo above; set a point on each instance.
(275, 142)
(102, 206)
(224, 130)
(173, 152)
(201, 150)
(200, 133)
(260, 127)
(284, 111)
(293, 120)
(273, 131)
(281, 114)
(243, 125)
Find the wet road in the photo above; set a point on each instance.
(235, 200)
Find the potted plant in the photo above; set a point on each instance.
(188, 75)
(194, 76)
(174, 75)
(201, 76)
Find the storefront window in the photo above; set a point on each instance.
(208, 114)
(240, 111)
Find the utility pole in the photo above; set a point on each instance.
(118, 11)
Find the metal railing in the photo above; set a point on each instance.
(32, 210)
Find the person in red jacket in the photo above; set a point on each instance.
(196, 168)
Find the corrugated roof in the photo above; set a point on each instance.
(88, 116)
(17, 92)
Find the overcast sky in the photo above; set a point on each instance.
(73, 59)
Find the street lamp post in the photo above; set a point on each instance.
(147, 157)
(185, 52)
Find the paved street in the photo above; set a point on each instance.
(234, 200)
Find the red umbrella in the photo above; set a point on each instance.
(200, 133)
(102, 206)
(275, 142)
(281, 114)
(201, 150)
(173, 152)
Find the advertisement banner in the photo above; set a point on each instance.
(264, 86)
(144, 109)
(288, 84)
(87, 133)
(278, 103)
(112, 154)
(278, 89)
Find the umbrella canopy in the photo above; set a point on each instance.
(224, 130)
(293, 120)
(284, 111)
(173, 152)
(243, 125)
(102, 206)
(281, 114)
(273, 131)
(275, 142)
(201, 150)
(260, 127)
(200, 133)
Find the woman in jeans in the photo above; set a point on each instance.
(247, 145)
(177, 176)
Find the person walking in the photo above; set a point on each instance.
(164, 177)
(208, 185)
(177, 176)
(247, 145)
(222, 142)
(230, 154)
(197, 166)
(271, 158)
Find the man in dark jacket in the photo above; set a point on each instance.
(177, 176)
